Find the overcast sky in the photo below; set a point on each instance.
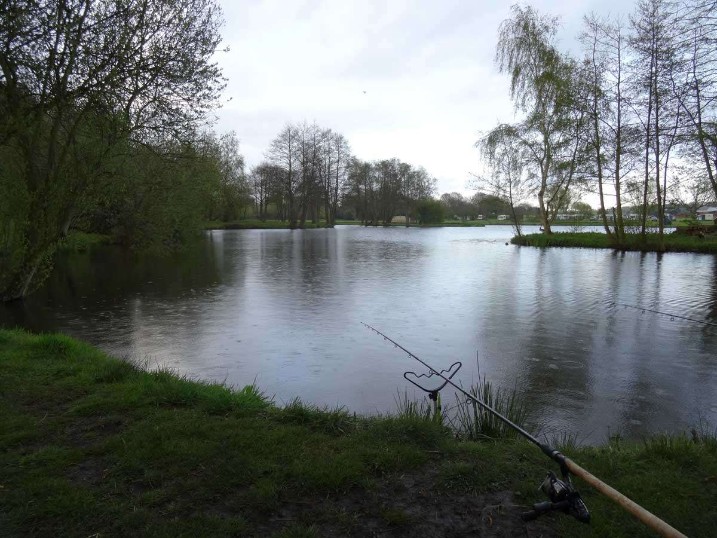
(412, 80)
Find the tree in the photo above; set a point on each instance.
(505, 155)
(284, 154)
(78, 79)
(266, 186)
(491, 205)
(430, 211)
(456, 205)
(224, 168)
(542, 82)
(333, 172)
(697, 82)
(380, 190)
(612, 138)
(583, 210)
(654, 44)
(315, 164)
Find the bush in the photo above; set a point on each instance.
(430, 212)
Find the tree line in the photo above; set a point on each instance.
(632, 119)
(310, 174)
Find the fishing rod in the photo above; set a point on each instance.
(673, 316)
(562, 494)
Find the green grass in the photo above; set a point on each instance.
(444, 224)
(257, 224)
(91, 445)
(81, 241)
(456, 224)
(472, 422)
(672, 242)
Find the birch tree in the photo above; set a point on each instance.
(653, 41)
(698, 80)
(541, 79)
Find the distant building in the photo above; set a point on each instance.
(707, 213)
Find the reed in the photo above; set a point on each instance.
(406, 408)
(470, 421)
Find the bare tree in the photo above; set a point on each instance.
(696, 82)
(335, 156)
(615, 137)
(381, 189)
(266, 181)
(284, 153)
(654, 44)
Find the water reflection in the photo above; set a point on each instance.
(282, 308)
(712, 303)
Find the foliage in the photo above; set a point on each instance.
(649, 243)
(632, 120)
(81, 83)
(490, 206)
(305, 172)
(548, 142)
(430, 212)
(378, 191)
(223, 169)
(473, 422)
(81, 241)
(458, 206)
(161, 195)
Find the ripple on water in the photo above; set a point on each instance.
(284, 309)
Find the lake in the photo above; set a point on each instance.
(283, 309)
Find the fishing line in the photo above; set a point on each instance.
(673, 316)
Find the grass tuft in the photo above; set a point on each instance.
(473, 422)
(81, 241)
(331, 421)
(411, 409)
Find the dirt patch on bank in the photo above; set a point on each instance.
(410, 504)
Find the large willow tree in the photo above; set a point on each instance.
(542, 87)
(82, 82)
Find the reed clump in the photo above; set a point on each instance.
(473, 422)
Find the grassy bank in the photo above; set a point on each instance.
(251, 224)
(257, 224)
(457, 224)
(673, 242)
(91, 445)
(77, 241)
(444, 224)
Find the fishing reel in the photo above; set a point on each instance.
(563, 496)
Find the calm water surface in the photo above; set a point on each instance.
(283, 309)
